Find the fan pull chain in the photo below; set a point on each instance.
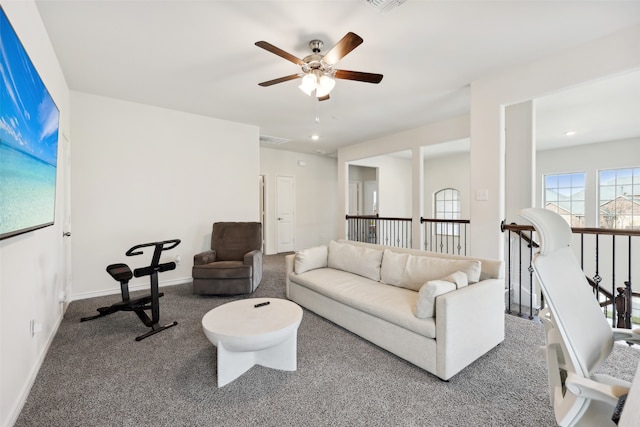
(317, 111)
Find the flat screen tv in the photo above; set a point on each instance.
(28, 140)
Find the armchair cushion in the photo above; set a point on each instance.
(223, 270)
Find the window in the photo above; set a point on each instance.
(619, 198)
(447, 206)
(564, 194)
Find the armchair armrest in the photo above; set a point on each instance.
(254, 259)
(600, 387)
(204, 257)
(250, 258)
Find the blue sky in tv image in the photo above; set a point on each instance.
(28, 115)
(28, 140)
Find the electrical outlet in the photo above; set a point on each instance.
(35, 327)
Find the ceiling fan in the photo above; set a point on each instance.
(317, 72)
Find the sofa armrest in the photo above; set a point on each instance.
(204, 257)
(469, 322)
(289, 264)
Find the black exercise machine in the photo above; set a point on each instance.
(122, 273)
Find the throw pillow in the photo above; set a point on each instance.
(421, 269)
(459, 278)
(393, 264)
(426, 303)
(355, 259)
(310, 259)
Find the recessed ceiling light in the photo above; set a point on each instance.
(570, 133)
(315, 137)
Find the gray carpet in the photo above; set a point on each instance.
(95, 374)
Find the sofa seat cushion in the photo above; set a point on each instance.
(391, 303)
(222, 270)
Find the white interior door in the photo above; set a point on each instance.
(285, 213)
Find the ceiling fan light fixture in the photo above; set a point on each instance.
(325, 85)
(308, 84)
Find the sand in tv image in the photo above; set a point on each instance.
(28, 140)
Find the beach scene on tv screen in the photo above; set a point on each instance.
(28, 140)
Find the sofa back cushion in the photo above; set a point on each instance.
(355, 259)
(310, 259)
(421, 269)
(392, 268)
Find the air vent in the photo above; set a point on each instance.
(273, 140)
(383, 6)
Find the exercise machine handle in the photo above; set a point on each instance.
(170, 245)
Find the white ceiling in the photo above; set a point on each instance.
(200, 57)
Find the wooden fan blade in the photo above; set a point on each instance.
(323, 98)
(281, 79)
(358, 76)
(271, 48)
(342, 48)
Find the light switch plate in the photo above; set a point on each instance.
(482, 194)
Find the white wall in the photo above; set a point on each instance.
(609, 55)
(485, 125)
(401, 188)
(144, 174)
(315, 192)
(394, 185)
(446, 172)
(31, 265)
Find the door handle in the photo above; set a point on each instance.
(279, 219)
(66, 234)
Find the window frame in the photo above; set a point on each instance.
(568, 184)
(447, 229)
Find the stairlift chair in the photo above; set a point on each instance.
(578, 336)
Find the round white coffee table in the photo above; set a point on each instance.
(253, 331)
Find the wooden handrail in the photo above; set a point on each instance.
(445, 221)
(620, 297)
(377, 217)
(575, 230)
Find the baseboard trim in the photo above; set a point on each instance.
(132, 288)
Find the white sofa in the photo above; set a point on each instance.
(396, 299)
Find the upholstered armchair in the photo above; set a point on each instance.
(233, 265)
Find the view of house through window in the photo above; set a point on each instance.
(447, 206)
(564, 193)
(619, 198)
